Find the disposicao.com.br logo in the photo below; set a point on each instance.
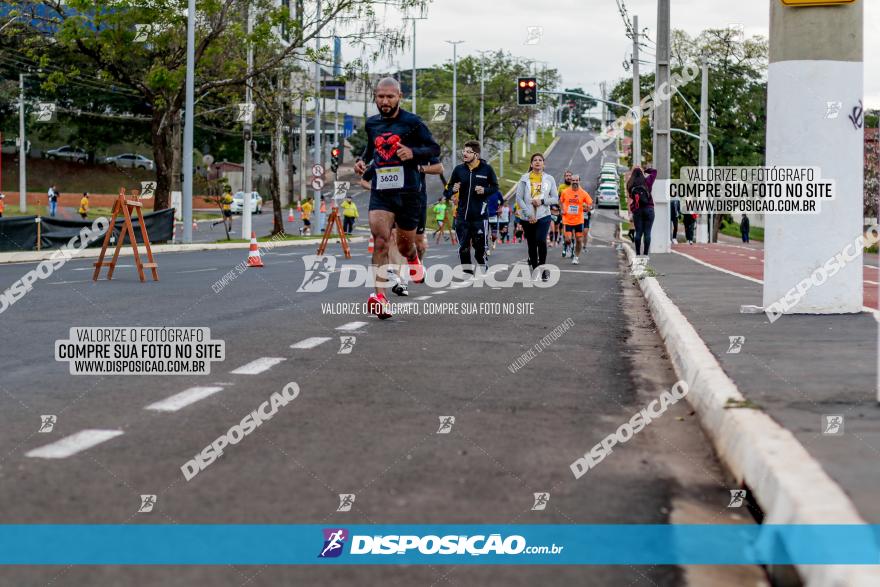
(410, 544)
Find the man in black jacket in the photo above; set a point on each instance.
(472, 181)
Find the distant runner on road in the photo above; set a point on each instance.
(574, 201)
(397, 143)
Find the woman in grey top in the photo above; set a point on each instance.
(535, 192)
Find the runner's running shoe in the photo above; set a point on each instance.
(417, 271)
(378, 305)
(400, 289)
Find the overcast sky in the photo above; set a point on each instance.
(586, 40)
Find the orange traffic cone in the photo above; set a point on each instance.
(371, 245)
(290, 216)
(254, 259)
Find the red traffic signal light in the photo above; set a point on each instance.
(527, 91)
(335, 152)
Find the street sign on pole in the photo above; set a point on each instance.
(317, 183)
(340, 189)
(318, 170)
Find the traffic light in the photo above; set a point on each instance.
(526, 91)
(336, 158)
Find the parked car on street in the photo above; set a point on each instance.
(130, 161)
(67, 153)
(238, 203)
(10, 147)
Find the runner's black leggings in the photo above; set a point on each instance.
(536, 237)
(643, 219)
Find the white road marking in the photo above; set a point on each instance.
(436, 256)
(585, 271)
(92, 268)
(258, 366)
(183, 399)
(351, 326)
(442, 291)
(310, 343)
(198, 270)
(73, 444)
(422, 298)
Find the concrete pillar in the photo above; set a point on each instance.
(816, 61)
(661, 233)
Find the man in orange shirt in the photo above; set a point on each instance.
(574, 202)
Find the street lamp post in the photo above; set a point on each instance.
(414, 19)
(22, 149)
(454, 98)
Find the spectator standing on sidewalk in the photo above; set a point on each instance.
(674, 213)
(744, 228)
(84, 206)
(349, 215)
(641, 205)
(690, 221)
(53, 200)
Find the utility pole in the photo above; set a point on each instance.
(604, 105)
(661, 233)
(336, 117)
(482, 97)
(22, 149)
(454, 99)
(248, 188)
(827, 62)
(318, 124)
(704, 147)
(189, 115)
(637, 97)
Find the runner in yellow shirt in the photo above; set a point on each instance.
(84, 206)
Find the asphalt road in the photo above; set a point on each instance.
(364, 423)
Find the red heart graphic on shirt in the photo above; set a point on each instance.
(387, 145)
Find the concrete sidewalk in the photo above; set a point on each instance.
(797, 369)
(767, 404)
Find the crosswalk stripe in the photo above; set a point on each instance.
(310, 343)
(351, 326)
(422, 298)
(183, 399)
(70, 445)
(258, 366)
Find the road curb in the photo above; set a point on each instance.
(788, 483)
(33, 256)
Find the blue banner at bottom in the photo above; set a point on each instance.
(483, 544)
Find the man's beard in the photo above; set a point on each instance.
(391, 113)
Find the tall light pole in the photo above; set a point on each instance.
(482, 95)
(188, 114)
(246, 226)
(637, 96)
(318, 124)
(22, 149)
(454, 99)
(414, 19)
(704, 140)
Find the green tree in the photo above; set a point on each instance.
(737, 98)
(154, 70)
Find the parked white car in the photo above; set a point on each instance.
(67, 153)
(130, 161)
(10, 147)
(608, 197)
(237, 205)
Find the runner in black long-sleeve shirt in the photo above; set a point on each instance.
(398, 142)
